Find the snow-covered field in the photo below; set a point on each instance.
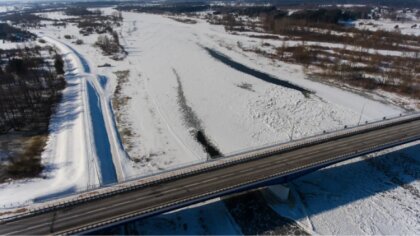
(168, 60)
(234, 118)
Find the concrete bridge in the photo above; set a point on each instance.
(191, 184)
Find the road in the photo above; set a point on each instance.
(177, 192)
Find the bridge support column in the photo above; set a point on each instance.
(280, 191)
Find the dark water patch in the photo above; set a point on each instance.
(208, 146)
(190, 118)
(258, 74)
(255, 217)
(192, 121)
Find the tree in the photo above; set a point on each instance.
(59, 64)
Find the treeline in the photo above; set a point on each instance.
(80, 11)
(325, 16)
(331, 15)
(331, 33)
(14, 34)
(96, 22)
(22, 18)
(175, 8)
(30, 86)
(316, 3)
(253, 11)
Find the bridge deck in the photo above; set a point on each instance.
(166, 195)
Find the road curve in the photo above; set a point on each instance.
(177, 192)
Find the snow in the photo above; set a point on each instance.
(236, 110)
(234, 118)
(370, 195)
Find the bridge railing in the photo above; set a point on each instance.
(135, 182)
(348, 127)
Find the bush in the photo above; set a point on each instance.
(108, 45)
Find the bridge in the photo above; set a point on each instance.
(195, 183)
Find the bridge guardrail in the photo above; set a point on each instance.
(201, 167)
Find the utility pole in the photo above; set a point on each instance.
(292, 131)
(361, 114)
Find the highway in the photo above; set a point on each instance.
(176, 192)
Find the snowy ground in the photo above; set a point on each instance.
(237, 111)
(234, 118)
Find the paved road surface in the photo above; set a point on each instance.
(172, 192)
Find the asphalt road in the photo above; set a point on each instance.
(155, 197)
